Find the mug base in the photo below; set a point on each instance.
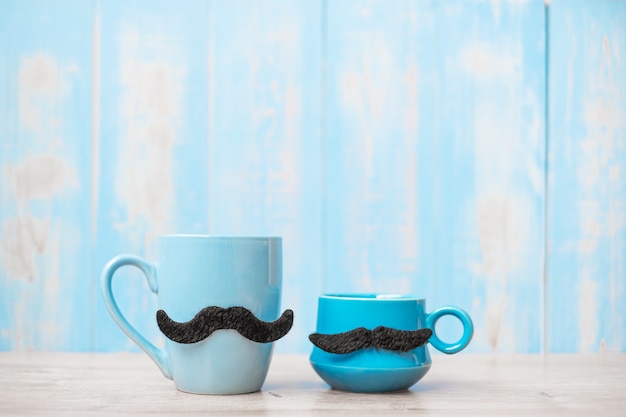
(187, 391)
(369, 380)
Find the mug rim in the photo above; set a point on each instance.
(378, 297)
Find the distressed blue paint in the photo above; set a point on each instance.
(264, 129)
(488, 188)
(396, 146)
(45, 81)
(153, 148)
(462, 109)
(587, 189)
(378, 175)
(375, 51)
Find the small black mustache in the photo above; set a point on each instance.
(214, 318)
(379, 338)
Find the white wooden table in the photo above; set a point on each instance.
(61, 384)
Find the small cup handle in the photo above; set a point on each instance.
(149, 270)
(466, 321)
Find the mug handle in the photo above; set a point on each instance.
(466, 321)
(149, 270)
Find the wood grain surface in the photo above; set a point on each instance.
(460, 385)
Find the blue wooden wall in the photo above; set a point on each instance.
(471, 152)
(586, 270)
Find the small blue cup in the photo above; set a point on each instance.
(379, 370)
(193, 272)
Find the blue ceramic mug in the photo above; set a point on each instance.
(193, 272)
(374, 369)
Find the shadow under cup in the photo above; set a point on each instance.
(379, 370)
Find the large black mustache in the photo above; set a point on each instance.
(214, 318)
(379, 338)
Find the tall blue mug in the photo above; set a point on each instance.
(191, 273)
(373, 369)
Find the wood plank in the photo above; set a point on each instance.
(153, 147)
(45, 126)
(468, 385)
(488, 193)
(379, 76)
(587, 189)
(434, 159)
(264, 162)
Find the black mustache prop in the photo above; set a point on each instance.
(214, 318)
(379, 338)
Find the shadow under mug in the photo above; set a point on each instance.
(193, 272)
(379, 370)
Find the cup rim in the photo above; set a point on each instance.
(377, 297)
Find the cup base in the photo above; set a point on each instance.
(369, 380)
